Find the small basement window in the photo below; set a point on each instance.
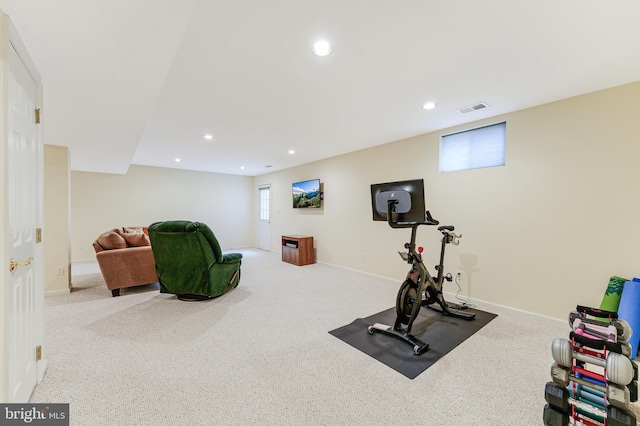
(473, 149)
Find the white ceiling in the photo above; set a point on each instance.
(141, 81)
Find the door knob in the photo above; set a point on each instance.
(13, 264)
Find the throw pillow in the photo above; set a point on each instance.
(132, 229)
(136, 240)
(111, 240)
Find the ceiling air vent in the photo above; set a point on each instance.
(480, 105)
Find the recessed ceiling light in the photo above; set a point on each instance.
(291, 151)
(177, 160)
(429, 105)
(208, 137)
(241, 167)
(322, 48)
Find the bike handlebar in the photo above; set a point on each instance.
(431, 220)
(390, 211)
(447, 230)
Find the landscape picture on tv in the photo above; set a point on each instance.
(306, 194)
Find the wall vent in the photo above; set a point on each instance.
(471, 108)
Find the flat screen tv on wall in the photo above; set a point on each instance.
(306, 194)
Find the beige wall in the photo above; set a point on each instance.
(100, 202)
(56, 232)
(543, 233)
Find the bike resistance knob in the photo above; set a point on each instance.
(420, 250)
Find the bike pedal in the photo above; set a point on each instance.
(458, 307)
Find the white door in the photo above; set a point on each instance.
(25, 280)
(264, 217)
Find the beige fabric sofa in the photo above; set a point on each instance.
(125, 258)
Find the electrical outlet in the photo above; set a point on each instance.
(60, 270)
(459, 276)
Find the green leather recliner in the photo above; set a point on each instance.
(189, 261)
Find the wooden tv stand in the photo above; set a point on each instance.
(297, 249)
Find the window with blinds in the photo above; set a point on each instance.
(265, 198)
(473, 149)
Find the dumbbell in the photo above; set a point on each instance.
(623, 329)
(602, 333)
(614, 417)
(618, 368)
(617, 395)
(593, 331)
(587, 394)
(557, 397)
(551, 417)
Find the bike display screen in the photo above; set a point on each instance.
(408, 197)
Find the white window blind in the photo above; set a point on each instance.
(265, 198)
(473, 149)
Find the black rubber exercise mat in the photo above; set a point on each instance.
(442, 332)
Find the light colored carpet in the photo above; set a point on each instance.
(262, 354)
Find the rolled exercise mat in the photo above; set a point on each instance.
(611, 299)
(629, 311)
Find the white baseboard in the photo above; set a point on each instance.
(41, 369)
(484, 302)
(451, 295)
(360, 271)
(237, 248)
(57, 292)
(87, 260)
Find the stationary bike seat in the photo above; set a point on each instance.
(449, 228)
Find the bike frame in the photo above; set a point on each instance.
(428, 290)
(427, 285)
(419, 274)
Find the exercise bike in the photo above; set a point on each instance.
(419, 288)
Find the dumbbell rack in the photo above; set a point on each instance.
(593, 377)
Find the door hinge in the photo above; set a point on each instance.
(37, 115)
(38, 353)
(38, 235)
